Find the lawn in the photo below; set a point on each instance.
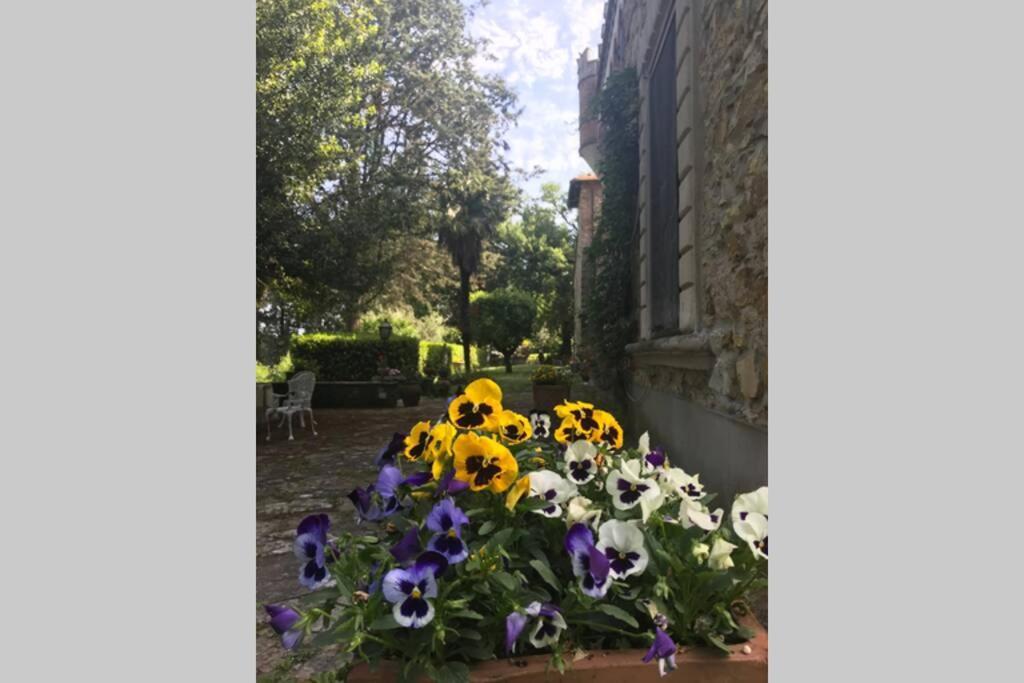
(518, 381)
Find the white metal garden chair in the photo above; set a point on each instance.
(299, 399)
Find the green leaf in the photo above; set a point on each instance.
(545, 573)
(453, 672)
(505, 580)
(716, 641)
(384, 622)
(486, 528)
(469, 634)
(467, 614)
(618, 613)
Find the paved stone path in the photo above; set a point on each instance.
(310, 475)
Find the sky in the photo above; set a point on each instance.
(534, 44)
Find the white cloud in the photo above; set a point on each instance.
(534, 45)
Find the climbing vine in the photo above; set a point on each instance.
(608, 323)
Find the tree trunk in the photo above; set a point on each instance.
(464, 317)
(508, 361)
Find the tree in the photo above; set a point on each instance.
(473, 205)
(536, 255)
(365, 111)
(502, 319)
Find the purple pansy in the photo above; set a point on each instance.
(655, 459)
(389, 453)
(310, 547)
(664, 648)
(283, 620)
(407, 547)
(449, 485)
(589, 564)
(548, 626)
(409, 590)
(446, 521)
(514, 625)
(417, 479)
(378, 500)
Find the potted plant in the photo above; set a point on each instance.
(427, 383)
(550, 386)
(443, 384)
(409, 389)
(583, 553)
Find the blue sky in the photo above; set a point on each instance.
(534, 44)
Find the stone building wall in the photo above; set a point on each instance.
(703, 391)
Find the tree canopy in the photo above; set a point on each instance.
(369, 113)
(503, 319)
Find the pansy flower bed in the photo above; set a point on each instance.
(490, 534)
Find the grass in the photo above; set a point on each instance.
(516, 382)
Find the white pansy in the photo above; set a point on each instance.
(644, 444)
(581, 509)
(708, 521)
(628, 489)
(755, 501)
(686, 506)
(754, 530)
(719, 558)
(552, 487)
(623, 545)
(700, 551)
(580, 462)
(676, 482)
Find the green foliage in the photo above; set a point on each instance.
(536, 255)
(274, 373)
(434, 356)
(369, 114)
(341, 357)
(549, 374)
(503, 319)
(606, 313)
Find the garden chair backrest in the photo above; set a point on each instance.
(300, 389)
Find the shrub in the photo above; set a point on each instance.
(342, 357)
(274, 373)
(436, 356)
(549, 374)
(503, 319)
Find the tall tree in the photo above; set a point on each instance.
(473, 204)
(365, 110)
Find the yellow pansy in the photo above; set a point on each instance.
(484, 463)
(520, 489)
(478, 408)
(609, 433)
(569, 432)
(418, 441)
(582, 413)
(514, 428)
(441, 437)
(538, 461)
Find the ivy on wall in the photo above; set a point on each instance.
(608, 323)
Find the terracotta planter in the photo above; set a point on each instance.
(547, 396)
(696, 665)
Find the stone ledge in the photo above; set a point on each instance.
(688, 351)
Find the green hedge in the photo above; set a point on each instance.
(436, 355)
(342, 357)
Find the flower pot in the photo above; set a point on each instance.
(547, 396)
(410, 394)
(695, 665)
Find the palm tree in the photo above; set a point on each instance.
(472, 209)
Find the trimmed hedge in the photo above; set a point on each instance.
(342, 357)
(437, 355)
